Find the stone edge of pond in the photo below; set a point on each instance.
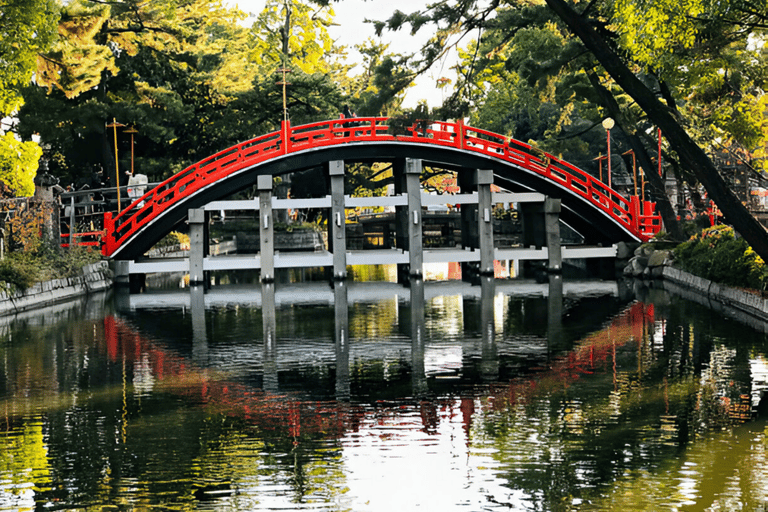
(734, 299)
(95, 277)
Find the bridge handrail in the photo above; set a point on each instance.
(629, 213)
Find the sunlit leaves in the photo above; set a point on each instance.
(18, 164)
(295, 26)
(26, 28)
(653, 29)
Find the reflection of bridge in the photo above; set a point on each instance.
(545, 189)
(275, 400)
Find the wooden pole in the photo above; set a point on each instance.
(115, 125)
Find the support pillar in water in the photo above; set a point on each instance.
(266, 230)
(337, 232)
(198, 245)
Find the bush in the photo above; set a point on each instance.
(20, 269)
(716, 254)
(173, 239)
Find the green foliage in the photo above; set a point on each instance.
(173, 239)
(18, 164)
(21, 269)
(716, 254)
(26, 29)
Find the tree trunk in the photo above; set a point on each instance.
(691, 155)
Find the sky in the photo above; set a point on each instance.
(351, 29)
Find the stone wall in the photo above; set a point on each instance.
(650, 263)
(748, 302)
(95, 277)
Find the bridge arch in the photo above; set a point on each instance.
(597, 212)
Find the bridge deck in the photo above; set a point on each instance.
(303, 259)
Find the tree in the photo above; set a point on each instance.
(26, 29)
(712, 28)
(691, 155)
(169, 68)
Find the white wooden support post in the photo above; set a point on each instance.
(122, 276)
(485, 220)
(552, 228)
(413, 189)
(198, 244)
(266, 229)
(337, 223)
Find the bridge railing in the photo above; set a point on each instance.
(637, 218)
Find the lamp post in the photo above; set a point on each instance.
(608, 124)
(634, 167)
(132, 130)
(115, 125)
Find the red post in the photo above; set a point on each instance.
(659, 132)
(109, 228)
(286, 135)
(635, 212)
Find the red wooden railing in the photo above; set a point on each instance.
(636, 216)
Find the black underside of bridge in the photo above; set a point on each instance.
(594, 225)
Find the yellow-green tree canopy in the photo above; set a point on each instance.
(27, 28)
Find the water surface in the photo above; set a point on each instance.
(374, 396)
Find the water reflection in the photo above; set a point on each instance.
(481, 398)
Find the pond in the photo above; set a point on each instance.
(506, 395)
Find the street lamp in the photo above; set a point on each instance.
(608, 124)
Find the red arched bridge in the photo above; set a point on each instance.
(597, 212)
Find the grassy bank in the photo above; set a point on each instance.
(20, 269)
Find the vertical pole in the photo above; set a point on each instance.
(485, 220)
(415, 244)
(198, 243)
(337, 230)
(469, 222)
(552, 227)
(72, 225)
(286, 132)
(266, 229)
(401, 217)
(600, 164)
(635, 212)
(658, 131)
(608, 132)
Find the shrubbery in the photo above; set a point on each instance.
(716, 254)
(22, 269)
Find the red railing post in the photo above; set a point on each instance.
(460, 135)
(106, 237)
(286, 135)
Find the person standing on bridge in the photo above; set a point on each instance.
(348, 114)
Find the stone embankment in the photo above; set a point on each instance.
(646, 263)
(95, 277)
(650, 263)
